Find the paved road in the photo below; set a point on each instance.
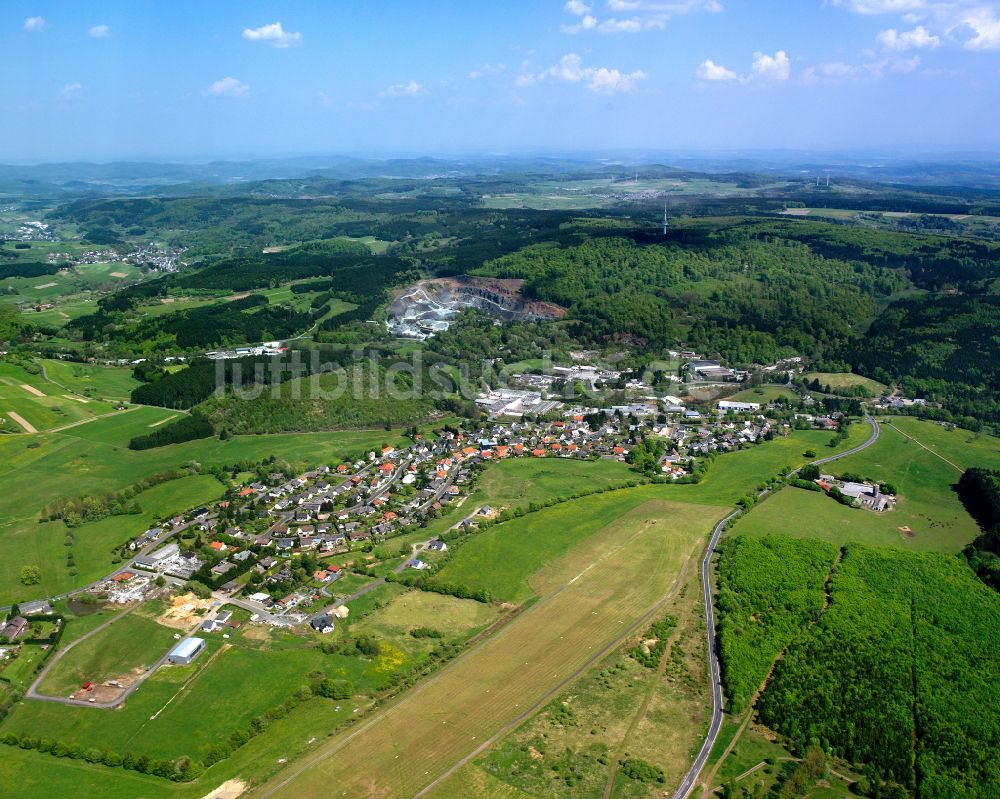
(687, 784)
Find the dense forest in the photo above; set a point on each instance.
(13, 325)
(942, 347)
(325, 401)
(898, 673)
(768, 590)
(742, 297)
(980, 491)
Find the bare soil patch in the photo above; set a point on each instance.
(28, 427)
(183, 611)
(32, 390)
(230, 789)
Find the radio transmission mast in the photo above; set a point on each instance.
(665, 223)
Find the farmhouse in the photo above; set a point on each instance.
(186, 651)
(14, 628)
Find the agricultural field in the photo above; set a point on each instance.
(91, 380)
(511, 484)
(592, 596)
(81, 283)
(29, 403)
(928, 514)
(547, 195)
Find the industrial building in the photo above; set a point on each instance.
(186, 651)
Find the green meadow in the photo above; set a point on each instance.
(502, 558)
(110, 382)
(129, 645)
(24, 541)
(841, 380)
(255, 669)
(764, 394)
(927, 502)
(41, 404)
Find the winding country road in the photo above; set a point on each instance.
(688, 783)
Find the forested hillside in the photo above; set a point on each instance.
(899, 672)
(980, 491)
(747, 298)
(942, 347)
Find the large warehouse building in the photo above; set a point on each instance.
(186, 651)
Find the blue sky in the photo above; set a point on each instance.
(195, 80)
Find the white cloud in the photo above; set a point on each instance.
(272, 33)
(972, 24)
(881, 6)
(839, 71)
(100, 31)
(411, 89)
(908, 40)
(71, 89)
(642, 15)
(486, 70)
(587, 23)
(776, 67)
(570, 69)
(228, 87)
(765, 68)
(709, 70)
(35, 24)
(984, 26)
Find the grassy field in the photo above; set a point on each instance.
(516, 483)
(303, 730)
(656, 713)
(589, 597)
(24, 541)
(125, 648)
(98, 381)
(414, 609)
(43, 405)
(502, 558)
(764, 394)
(82, 282)
(927, 503)
(840, 380)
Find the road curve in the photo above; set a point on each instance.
(687, 784)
